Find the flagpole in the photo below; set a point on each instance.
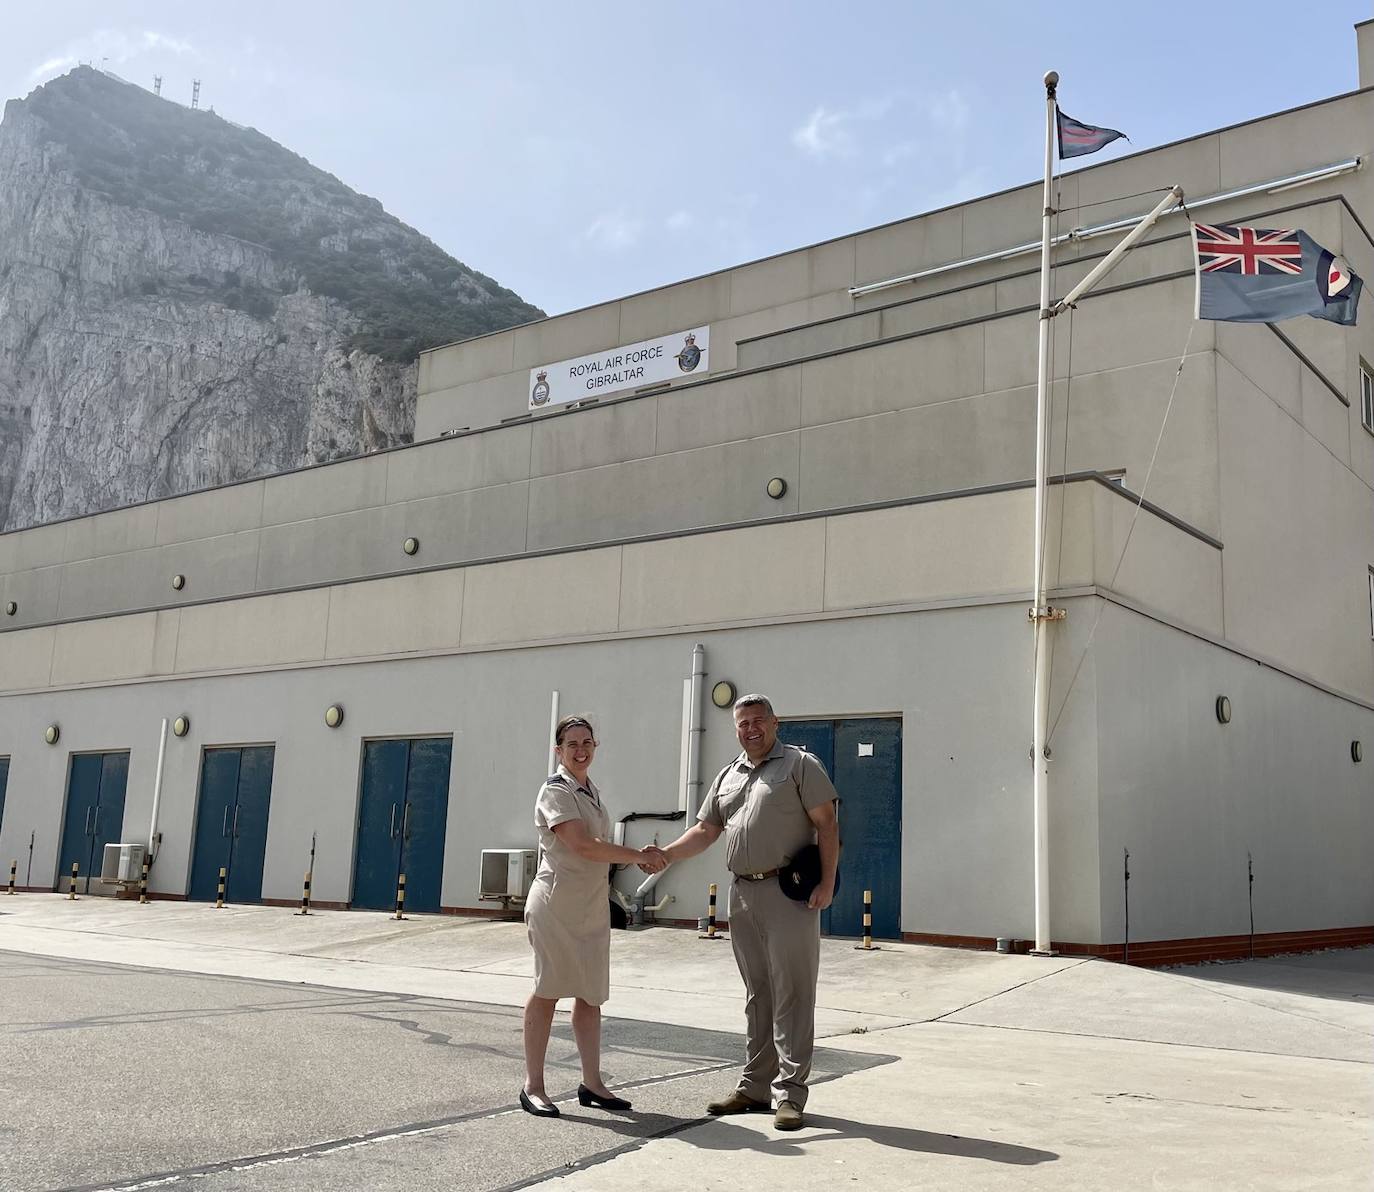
(1040, 615)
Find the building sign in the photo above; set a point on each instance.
(646, 363)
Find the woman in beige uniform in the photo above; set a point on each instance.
(569, 920)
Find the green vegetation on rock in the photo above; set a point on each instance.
(142, 151)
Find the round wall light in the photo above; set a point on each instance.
(723, 694)
(333, 715)
(11, 608)
(1224, 709)
(178, 581)
(181, 725)
(411, 546)
(777, 488)
(52, 734)
(1356, 751)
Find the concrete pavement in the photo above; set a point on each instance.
(945, 1069)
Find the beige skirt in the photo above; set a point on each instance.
(569, 924)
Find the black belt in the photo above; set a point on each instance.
(758, 877)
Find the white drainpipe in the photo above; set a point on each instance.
(157, 790)
(692, 733)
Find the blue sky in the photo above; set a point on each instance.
(578, 152)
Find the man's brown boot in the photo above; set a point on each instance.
(788, 1117)
(736, 1102)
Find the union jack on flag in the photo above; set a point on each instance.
(1229, 248)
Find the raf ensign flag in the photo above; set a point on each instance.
(1262, 275)
(1077, 138)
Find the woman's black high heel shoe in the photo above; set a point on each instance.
(549, 1110)
(590, 1100)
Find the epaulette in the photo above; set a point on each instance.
(556, 780)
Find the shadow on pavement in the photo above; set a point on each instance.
(1346, 975)
(824, 1128)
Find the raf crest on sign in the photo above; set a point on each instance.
(540, 393)
(690, 356)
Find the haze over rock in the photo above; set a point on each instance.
(184, 302)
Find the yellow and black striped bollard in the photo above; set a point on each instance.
(710, 933)
(305, 896)
(143, 884)
(400, 896)
(868, 945)
(71, 890)
(14, 867)
(219, 893)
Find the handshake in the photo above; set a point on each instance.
(653, 859)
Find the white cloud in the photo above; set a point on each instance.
(824, 134)
(899, 152)
(948, 113)
(830, 131)
(110, 47)
(615, 230)
(679, 221)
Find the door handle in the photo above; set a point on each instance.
(393, 821)
(224, 824)
(95, 829)
(405, 822)
(86, 831)
(234, 831)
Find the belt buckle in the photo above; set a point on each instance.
(757, 877)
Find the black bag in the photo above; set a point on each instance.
(801, 875)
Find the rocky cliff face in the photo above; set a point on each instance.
(185, 303)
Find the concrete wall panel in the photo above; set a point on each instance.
(745, 407)
(529, 599)
(893, 376)
(261, 631)
(111, 648)
(942, 447)
(318, 492)
(928, 552)
(609, 434)
(210, 514)
(674, 308)
(765, 571)
(40, 546)
(690, 489)
(393, 616)
(26, 658)
(111, 533)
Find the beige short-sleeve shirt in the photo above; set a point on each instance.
(763, 809)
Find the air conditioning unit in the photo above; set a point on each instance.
(122, 863)
(507, 874)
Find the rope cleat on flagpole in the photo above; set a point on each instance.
(1046, 613)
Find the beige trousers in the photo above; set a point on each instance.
(777, 945)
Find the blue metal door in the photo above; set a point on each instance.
(248, 826)
(231, 823)
(377, 859)
(402, 818)
(864, 760)
(219, 784)
(95, 812)
(426, 819)
(868, 775)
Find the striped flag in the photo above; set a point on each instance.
(1077, 138)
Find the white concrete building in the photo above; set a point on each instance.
(878, 593)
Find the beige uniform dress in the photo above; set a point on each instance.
(568, 911)
(777, 940)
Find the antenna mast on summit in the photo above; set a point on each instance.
(195, 94)
(157, 84)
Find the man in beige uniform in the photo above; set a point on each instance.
(770, 802)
